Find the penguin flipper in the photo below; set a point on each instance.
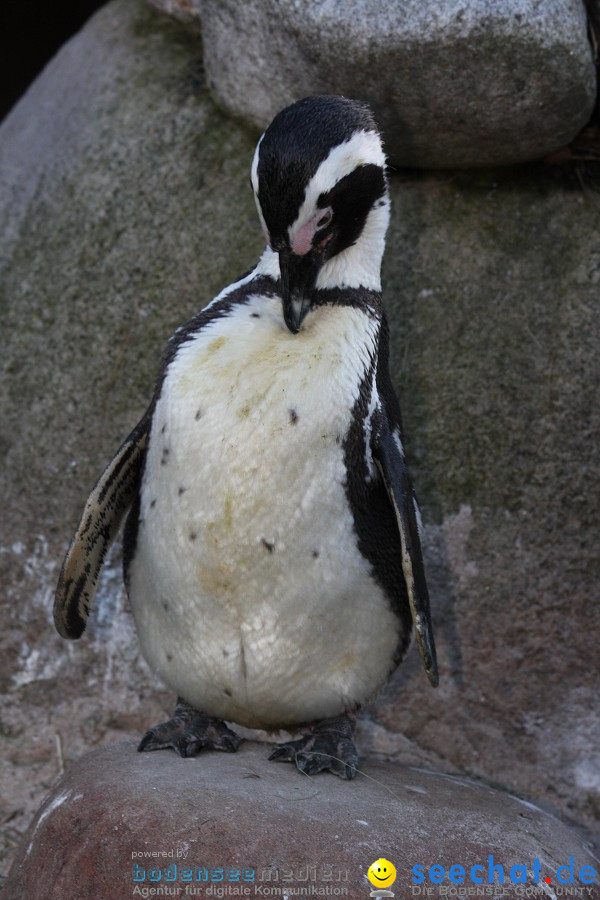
(389, 457)
(109, 500)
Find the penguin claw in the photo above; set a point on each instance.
(283, 752)
(311, 763)
(230, 742)
(329, 747)
(189, 732)
(146, 740)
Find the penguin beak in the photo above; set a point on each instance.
(298, 277)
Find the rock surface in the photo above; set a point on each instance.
(461, 83)
(277, 829)
(124, 207)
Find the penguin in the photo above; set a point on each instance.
(271, 550)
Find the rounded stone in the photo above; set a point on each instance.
(120, 820)
(455, 84)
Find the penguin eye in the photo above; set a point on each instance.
(325, 218)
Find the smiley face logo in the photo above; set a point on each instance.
(381, 873)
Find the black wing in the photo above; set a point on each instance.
(105, 507)
(389, 457)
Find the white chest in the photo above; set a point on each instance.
(249, 593)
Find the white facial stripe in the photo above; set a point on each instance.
(254, 169)
(263, 224)
(361, 149)
(254, 181)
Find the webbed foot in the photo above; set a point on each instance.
(329, 745)
(189, 732)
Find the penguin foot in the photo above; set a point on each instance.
(189, 732)
(329, 746)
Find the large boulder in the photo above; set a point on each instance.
(466, 83)
(124, 207)
(138, 824)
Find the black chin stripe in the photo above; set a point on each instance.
(359, 298)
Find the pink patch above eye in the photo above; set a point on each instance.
(302, 243)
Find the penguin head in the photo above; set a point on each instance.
(319, 183)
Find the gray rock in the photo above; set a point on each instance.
(492, 283)
(124, 207)
(185, 11)
(279, 831)
(462, 83)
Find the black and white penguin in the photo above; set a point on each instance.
(272, 553)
